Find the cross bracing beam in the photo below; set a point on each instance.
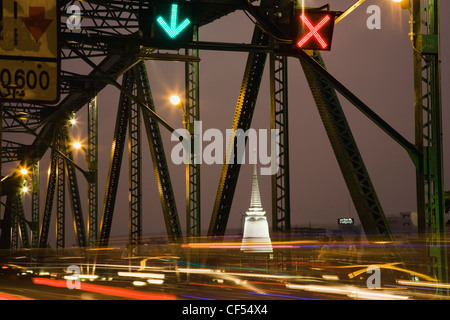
(44, 231)
(14, 241)
(12, 151)
(60, 200)
(281, 205)
(192, 110)
(113, 64)
(160, 165)
(118, 146)
(136, 80)
(19, 234)
(31, 115)
(92, 160)
(360, 105)
(356, 176)
(242, 120)
(35, 204)
(134, 168)
(74, 193)
(61, 170)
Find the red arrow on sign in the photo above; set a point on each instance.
(36, 22)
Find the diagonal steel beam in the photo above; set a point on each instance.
(360, 105)
(112, 183)
(160, 165)
(242, 120)
(350, 161)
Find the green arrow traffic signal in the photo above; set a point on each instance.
(173, 30)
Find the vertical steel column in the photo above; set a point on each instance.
(281, 210)
(60, 202)
(134, 165)
(18, 232)
(14, 241)
(35, 204)
(192, 105)
(2, 222)
(49, 196)
(22, 227)
(428, 112)
(92, 156)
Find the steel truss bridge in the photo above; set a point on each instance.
(111, 45)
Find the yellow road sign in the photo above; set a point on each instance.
(29, 51)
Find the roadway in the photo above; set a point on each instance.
(296, 270)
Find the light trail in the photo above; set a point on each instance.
(108, 290)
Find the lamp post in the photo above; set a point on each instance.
(175, 100)
(404, 4)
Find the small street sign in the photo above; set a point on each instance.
(29, 51)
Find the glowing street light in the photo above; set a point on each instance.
(404, 4)
(72, 119)
(77, 145)
(23, 171)
(176, 101)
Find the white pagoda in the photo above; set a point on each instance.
(256, 237)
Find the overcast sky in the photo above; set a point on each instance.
(376, 65)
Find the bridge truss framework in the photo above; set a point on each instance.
(111, 45)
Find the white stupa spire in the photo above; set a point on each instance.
(256, 237)
(255, 201)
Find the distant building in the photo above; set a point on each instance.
(404, 224)
(309, 232)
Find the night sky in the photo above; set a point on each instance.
(376, 65)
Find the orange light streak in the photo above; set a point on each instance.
(5, 296)
(108, 290)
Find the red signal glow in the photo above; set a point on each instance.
(108, 290)
(313, 31)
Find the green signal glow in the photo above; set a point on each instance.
(173, 30)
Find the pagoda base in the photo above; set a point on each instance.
(256, 237)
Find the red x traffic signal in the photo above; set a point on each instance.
(313, 29)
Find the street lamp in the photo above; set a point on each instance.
(404, 4)
(176, 101)
(77, 145)
(89, 174)
(24, 172)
